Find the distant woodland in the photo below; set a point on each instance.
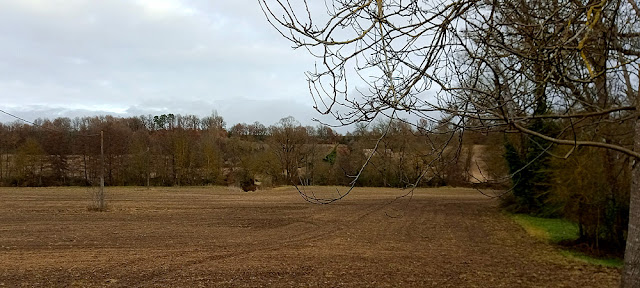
(168, 150)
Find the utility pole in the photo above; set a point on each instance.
(148, 168)
(101, 192)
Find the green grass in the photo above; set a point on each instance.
(558, 230)
(553, 230)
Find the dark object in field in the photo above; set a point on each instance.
(248, 184)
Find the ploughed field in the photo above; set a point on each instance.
(217, 236)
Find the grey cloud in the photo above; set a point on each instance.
(99, 57)
(241, 110)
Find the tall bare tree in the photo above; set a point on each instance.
(490, 65)
(287, 142)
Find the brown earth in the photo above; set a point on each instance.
(191, 237)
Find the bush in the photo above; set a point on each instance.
(591, 188)
(246, 181)
(529, 170)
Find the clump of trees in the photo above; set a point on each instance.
(594, 193)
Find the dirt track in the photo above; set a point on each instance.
(190, 237)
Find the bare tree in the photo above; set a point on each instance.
(287, 141)
(489, 65)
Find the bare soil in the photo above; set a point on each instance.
(221, 237)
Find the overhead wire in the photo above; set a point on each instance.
(43, 127)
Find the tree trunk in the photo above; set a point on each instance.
(631, 272)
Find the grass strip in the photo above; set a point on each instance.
(556, 230)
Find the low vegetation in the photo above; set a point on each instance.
(564, 233)
(554, 230)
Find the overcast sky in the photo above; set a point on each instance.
(125, 57)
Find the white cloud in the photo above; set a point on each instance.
(164, 8)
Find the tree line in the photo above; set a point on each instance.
(168, 150)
